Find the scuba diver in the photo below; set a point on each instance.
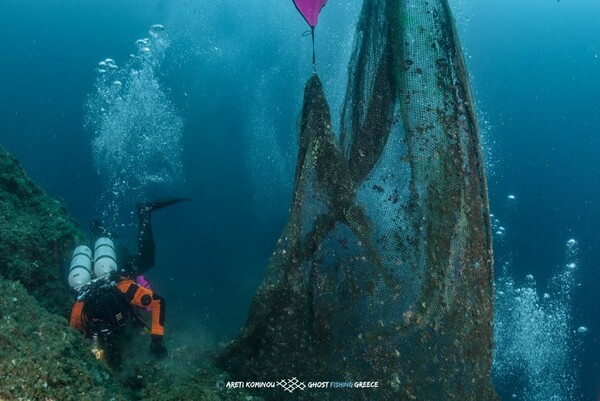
(107, 296)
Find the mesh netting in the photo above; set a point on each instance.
(384, 271)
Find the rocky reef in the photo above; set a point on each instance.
(36, 234)
(41, 357)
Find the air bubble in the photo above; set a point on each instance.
(155, 29)
(129, 103)
(533, 334)
(511, 197)
(141, 43)
(582, 329)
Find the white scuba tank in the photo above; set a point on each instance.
(80, 271)
(105, 258)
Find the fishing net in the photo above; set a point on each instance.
(384, 270)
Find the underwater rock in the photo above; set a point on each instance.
(41, 358)
(384, 270)
(36, 234)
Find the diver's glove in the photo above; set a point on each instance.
(157, 347)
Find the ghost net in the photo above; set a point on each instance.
(384, 270)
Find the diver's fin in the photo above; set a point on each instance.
(149, 207)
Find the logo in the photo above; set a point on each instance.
(291, 385)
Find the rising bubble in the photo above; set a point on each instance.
(534, 357)
(156, 29)
(136, 129)
(142, 42)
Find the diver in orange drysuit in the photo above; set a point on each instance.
(103, 310)
(106, 310)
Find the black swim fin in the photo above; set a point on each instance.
(149, 207)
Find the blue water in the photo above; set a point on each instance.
(234, 72)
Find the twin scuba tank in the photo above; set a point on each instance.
(85, 266)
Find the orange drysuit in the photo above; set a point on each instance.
(135, 295)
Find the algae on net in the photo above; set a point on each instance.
(384, 270)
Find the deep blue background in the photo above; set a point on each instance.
(235, 72)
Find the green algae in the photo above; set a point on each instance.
(36, 235)
(41, 358)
